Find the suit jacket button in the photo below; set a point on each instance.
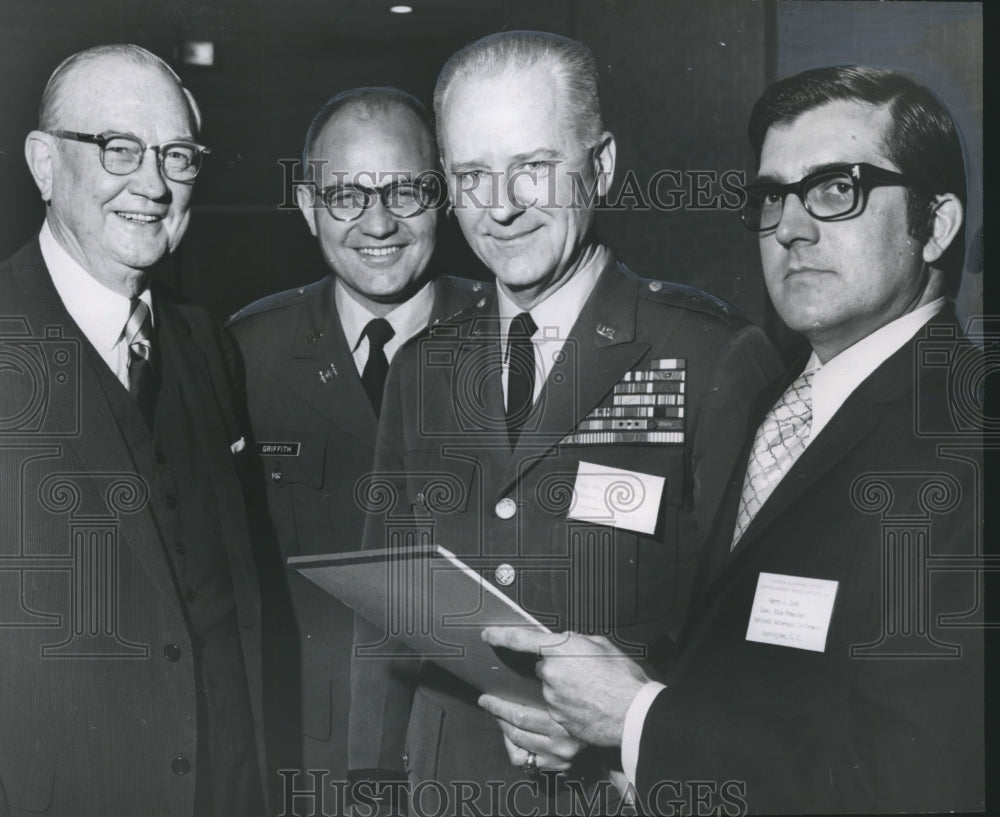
(505, 575)
(180, 765)
(172, 652)
(276, 475)
(506, 508)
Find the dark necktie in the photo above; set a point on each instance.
(141, 373)
(379, 333)
(520, 373)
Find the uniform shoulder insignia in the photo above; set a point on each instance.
(279, 300)
(688, 297)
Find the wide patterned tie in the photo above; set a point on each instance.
(379, 332)
(141, 372)
(781, 438)
(520, 373)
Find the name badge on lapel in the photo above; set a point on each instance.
(616, 497)
(279, 449)
(647, 408)
(792, 611)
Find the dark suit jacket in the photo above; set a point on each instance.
(443, 451)
(890, 716)
(99, 701)
(286, 340)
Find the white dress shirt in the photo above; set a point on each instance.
(554, 317)
(832, 384)
(406, 320)
(100, 313)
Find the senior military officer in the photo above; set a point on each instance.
(578, 378)
(131, 616)
(316, 359)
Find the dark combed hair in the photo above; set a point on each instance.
(922, 140)
(572, 65)
(367, 102)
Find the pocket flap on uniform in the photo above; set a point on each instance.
(292, 458)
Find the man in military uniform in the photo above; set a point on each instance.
(569, 437)
(316, 359)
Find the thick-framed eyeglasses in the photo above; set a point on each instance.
(835, 193)
(402, 199)
(122, 153)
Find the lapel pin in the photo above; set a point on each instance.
(327, 374)
(315, 335)
(606, 331)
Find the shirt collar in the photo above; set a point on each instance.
(555, 316)
(407, 319)
(837, 379)
(100, 313)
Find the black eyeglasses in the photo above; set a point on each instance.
(402, 199)
(122, 154)
(834, 193)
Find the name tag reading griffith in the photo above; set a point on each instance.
(792, 611)
(616, 497)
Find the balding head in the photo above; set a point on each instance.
(58, 88)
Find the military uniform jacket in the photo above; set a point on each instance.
(888, 717)
(314, 435)
(99, 711)
(654, 379)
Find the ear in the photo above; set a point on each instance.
(604, 162)
(39, 152)
(946, 220)
(305, 198)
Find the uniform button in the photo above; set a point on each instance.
(505, 575)
(180, 765)
(506, 508)
(276, 475)
(171, 501)
(171, 652)
(406, 759)
(655, 286)
(179, 548)
(420, 499)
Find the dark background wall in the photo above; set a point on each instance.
(679, 78)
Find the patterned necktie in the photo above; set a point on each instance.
(141, 373)
(520, 373)
(379, 332)
(780, 440)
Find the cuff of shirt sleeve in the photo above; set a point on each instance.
(634, 720)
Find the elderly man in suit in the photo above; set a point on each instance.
(316, 359)
(131, 616)
(831, 666)
(578, 377)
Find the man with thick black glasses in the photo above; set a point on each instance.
(316, 359)
(834, 661)
(131, 620)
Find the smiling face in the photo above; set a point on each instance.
(380, 257)
(838, 281)
(117, 227)
(517, 175)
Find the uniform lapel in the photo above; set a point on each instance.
(321, 370)
(600, 348)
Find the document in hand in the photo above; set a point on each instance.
(437, 605)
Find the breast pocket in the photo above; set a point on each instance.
(298, 488)
(640, 575)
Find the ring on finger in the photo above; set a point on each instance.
(530, 766)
